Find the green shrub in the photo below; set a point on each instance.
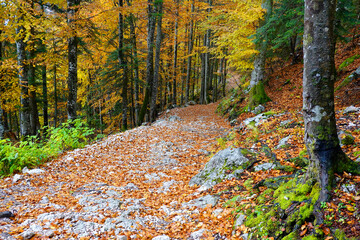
(32, 151)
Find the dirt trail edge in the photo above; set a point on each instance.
(131, 185)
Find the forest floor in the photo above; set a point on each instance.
(133, 183)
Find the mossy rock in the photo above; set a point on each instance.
(346, 138)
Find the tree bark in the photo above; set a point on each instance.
(326, 156)
(190, 48)
(25, 127)
(2, 124)
(257, 93)
(123, 67)
(175, 51)
(72, 59)
(159, 6)
(149, 60)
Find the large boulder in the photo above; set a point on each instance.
(225, 164)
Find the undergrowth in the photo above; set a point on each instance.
(34, 151)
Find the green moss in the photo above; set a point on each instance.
(290, 192)
(270, 113)
(310, 237)
(347, 62)
(257, 95)
(291, 236)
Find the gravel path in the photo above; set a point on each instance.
(131, 185)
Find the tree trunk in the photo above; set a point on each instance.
(2, 123)
(25, 127)
(149, 60)
(123, 67)
(136, 66)
(190, 48)
(175, 52)
(55, 98)
(45, 98)
(325, 154)
(159, 6)
(257, 94)
(72, 59)
(34, 113)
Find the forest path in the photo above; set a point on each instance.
(131, 185)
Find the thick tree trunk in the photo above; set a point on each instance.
(326, 156)
(72, 60)
(149, 60)
(159, 6)
(257, 93)
(25, 127)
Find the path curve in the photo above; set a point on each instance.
(131, 185)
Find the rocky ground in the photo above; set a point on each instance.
(132, 185)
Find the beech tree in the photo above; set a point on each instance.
(72, 58)
(321, 139)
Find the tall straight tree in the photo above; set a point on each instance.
(175, 50)
(72, 6)
(123, 67)
(149, 60)
(326, 156)
(159, 7)
(25, 127)
(190, 48)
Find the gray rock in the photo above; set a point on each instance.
(202, 202)
(162, 237)
(264, 167)
(351, 109)
(258, 109)
(17, 177)
(285, 123)
(257, 120)
(217, 212)
(346, 138)
(131, 186)
(284, 142)
(200, 234)
(240, 220)
(358, 160)
(174, 118)
(48, 233)
(28, 234)
(35, 171)
(6, 236)
(215, 170)
(245, 236)
(191, 103)
(166, 186)
(122, 237)
(36, 228)
(152, 177)
(348, 188)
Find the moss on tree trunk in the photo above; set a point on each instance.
(257, 95)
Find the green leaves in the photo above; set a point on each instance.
(33, 151)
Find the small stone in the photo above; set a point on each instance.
(284, 142)
(174, 119)
(6, 214)
(122, 237)
(162, 237)
(351, 109)
(35, 171)
(198, 234)
(28, 234)
(346, 138)
(258, 109)
(357, 160)
(264, 167)
(202, 202)
(17, 177)
(217, 212)
(49, 233)
(348, 188)
(240, 220)
(25, 170)
(6, 236)
(245, 236)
